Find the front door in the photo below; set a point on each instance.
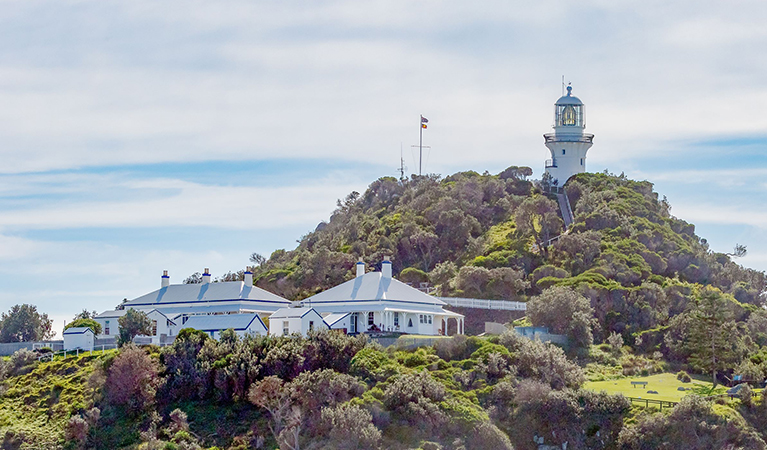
(353, 324)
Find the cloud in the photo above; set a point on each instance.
(164, 202)
(133, 84)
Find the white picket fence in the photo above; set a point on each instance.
(479, 303)
(76, 352)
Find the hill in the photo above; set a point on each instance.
(483, 236)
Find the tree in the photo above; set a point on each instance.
(24, 324)
(712, 338)
(738, 251)
(86, 323)
(195, 278)
(85, 314)
(564, 311)
(274, 395)
(132, 324)
(257, 259)
(538, 217)
(133, 379)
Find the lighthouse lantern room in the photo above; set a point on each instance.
(568, 143)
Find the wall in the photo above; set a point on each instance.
(12, 347)
(83, 341)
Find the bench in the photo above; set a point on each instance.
(639, 383)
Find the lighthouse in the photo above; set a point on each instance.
(568, 143)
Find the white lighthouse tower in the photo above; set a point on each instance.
(568, 143)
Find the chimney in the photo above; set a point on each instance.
(386, 267)
(206, 276)
(248, 277)
(165, 279)
(360, 268)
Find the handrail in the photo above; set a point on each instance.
(479, 303)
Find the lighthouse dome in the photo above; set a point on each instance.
(569, 99)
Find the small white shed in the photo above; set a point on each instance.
(242, 324)
(78, 337)
(286, 321)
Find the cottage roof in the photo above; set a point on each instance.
(223, 322)
(332, 319)
(78, 330)
(373, 286)
(292, 313)
(207, 292)
(110, 314)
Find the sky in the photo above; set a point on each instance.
(143, 136)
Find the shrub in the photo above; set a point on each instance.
(351, 427)
(76, 431)
(21, 361)
(615, 341)
(694, 418)
(683, 376)
(543, 362)
(132, 380)
(414, 398)
(745, 394)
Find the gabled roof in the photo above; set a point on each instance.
(373, 286)
(222, 322)
(110, 314)
(292, 313)
(332, 319)
(78, 330)
(207, 292)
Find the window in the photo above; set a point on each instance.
(311, 325)
(410, 323)
(106, 327)
(429, 317)
(396, 319)
(371, 318)
(563, 151)
(154, 328)
(285, 328)
(420, 318)
(581, 161)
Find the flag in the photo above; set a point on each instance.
(423, 125)
(424, 120)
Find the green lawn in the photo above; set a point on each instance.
(665, 384)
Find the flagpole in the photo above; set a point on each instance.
(420, 146)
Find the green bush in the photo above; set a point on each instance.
(683, 376)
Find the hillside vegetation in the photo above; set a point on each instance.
(481, 236)
(636, 291)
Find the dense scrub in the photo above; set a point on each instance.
(642, 270)
(463, 393)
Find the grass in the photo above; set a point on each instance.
(38, 402)
(665, 384)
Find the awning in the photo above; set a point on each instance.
(416, 311)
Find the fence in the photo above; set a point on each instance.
(649, 401)
(76, 352)
(12, 347)
(479, 303)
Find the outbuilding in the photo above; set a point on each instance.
(242, 324)
(287, 321)
(78, 338)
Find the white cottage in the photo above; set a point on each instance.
(173, 304)
(162, 326)
(377, 302)
(78, 338)
(242, 324)
(287, 321)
